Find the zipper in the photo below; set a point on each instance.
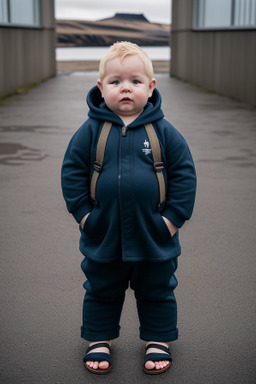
(119, 168)
(124, 129)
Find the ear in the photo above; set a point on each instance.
(152, 86)
(100, 86)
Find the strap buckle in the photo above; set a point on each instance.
(158, 166)
(97, 166)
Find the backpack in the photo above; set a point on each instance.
(156, 152)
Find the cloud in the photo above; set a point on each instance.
(155, 11)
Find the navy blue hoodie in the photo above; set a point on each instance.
(126, 223)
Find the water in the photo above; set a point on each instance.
(96, 53)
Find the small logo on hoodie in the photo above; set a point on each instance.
(147, 150)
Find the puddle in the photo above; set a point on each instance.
(17, 154)
(243, 162)
(226, 105)
(25, 128)
(223, 133)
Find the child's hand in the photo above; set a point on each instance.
(84, 220)
(172, 228)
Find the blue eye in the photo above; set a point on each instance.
(115, 82)
(136, 82)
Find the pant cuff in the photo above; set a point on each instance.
(99, 336)
(154, 336)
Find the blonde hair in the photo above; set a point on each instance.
(123, 49)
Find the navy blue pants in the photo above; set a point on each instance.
(153, 284)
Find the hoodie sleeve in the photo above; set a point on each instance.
(181, 181)
(75, 173)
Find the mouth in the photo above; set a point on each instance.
(126, 99)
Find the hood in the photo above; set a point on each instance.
(99, 110)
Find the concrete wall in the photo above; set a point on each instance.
(222, 61)
(28, 54)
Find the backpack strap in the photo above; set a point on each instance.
(158, 164)
(98, 163)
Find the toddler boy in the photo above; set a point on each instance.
(129, 236)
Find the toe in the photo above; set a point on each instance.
(161, 364)
(103, 365)
(149, 365)
(96, 365)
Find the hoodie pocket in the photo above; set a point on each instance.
(95, 226)
(162, 232)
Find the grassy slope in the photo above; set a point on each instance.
(106, 32)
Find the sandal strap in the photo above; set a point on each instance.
(157, 357)
(100, 356)
(98, 345)
(159, 346)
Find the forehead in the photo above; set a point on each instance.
(130, 63)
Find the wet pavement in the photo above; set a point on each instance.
(41, 280)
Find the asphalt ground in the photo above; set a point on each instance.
(41, 280)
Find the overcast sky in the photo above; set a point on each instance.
(158, 11)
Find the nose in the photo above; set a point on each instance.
(126, 87)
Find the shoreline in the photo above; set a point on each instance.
(93, 65)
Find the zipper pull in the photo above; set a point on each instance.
(124, 128)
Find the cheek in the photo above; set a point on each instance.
(111, 96)
(142, 97)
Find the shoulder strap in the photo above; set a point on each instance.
(158, 164)
(98, 163)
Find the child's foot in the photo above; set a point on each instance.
(154, 366)
(98, 365)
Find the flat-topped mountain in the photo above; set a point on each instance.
(123, 26)
(129, 17)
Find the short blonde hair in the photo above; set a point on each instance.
(123, 49)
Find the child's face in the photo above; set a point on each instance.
(125, 87)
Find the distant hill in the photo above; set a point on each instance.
(129, 17)
(123, 26)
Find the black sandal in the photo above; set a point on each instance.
(98, 356)
(157, 357)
